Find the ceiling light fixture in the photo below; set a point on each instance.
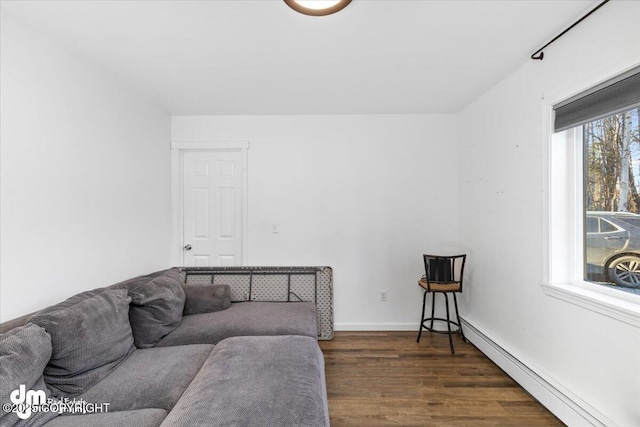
(317, 7)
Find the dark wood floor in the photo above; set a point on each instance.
(387, 379)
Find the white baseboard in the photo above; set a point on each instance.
(564, 404)
(376, 327)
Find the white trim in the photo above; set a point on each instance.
(176, 208)
(547, 123)
(376, 327)
(616, 306)
(563, 403)
(177, 150)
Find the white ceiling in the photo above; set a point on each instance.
(261, 57)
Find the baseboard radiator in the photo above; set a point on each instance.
(564, 404)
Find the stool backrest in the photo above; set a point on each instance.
(444, 268)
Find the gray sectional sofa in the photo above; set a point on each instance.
(161, 350)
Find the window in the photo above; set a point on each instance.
(599, 225)
(611, 202)
(606, 226)
(593, 203)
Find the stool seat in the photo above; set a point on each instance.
(440, 287)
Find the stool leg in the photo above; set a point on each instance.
(424, 302)
(455, 301)
(446, 299)
(433, 308)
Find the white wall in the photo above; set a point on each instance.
(85, 181)
(592, 357)
(366, 195)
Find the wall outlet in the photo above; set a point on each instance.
(383, 296)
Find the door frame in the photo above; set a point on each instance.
(178, 148)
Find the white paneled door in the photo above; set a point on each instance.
(212, 206)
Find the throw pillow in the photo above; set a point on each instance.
(157, 302)
(24, 352)
(89, 340)
(206, 298)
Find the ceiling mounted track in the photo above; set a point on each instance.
(539, 54)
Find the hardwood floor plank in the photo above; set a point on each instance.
(387, 379)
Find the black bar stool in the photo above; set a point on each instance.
(443, 275)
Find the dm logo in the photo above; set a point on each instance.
(26, 400)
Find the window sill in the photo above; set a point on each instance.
(625, 310)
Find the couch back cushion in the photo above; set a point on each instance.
(206, 298)
(157, 301)
(24, 352)
(90, 337)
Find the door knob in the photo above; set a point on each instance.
(187, 248)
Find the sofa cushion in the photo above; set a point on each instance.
(257, 381)
(206, 298)
(89, 339)
(157, 301)
(246, 318)
(138, 418)
(24, 352)
(150, 378)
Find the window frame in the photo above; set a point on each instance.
(564, 216)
